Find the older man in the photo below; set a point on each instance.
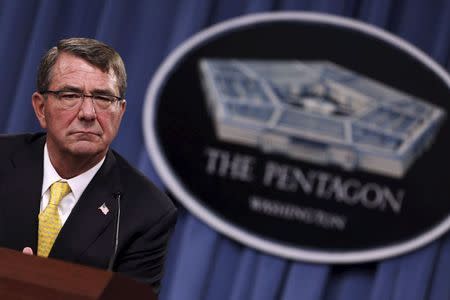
(61, 191)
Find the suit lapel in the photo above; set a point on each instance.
(86, 221)
(22, 194)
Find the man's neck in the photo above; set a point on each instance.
(69, 166)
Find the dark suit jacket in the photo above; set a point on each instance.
(87, 237)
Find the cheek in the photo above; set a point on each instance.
(109, 123)
(59, 120)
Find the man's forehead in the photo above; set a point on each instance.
(73, 68)
(67, 62)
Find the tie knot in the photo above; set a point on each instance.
(58, 190)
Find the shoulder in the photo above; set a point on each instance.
(139, 191)
(10, 143)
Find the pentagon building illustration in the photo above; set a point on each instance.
(318, 112)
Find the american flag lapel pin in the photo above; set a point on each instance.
(104, 209)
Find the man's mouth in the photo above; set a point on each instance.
(86, 133)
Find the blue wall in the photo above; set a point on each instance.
(203, 264)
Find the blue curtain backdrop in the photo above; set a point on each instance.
(203, 264)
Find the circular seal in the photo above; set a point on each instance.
(307, 136)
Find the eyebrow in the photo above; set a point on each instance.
(71, 88)
(102, 92)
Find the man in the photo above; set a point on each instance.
(60, 192)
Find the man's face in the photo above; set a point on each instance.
(82, 131)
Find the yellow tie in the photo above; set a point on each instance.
(49, 222)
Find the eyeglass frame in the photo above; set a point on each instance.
(58, 93)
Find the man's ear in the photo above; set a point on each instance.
(123, 107)
(38, 101)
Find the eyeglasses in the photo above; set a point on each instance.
(72, 100)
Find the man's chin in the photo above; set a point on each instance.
(85, 136)
(86, 148)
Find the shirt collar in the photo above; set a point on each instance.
(77, 184)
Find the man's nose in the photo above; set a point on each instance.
(87, 109)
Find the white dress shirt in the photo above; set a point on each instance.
(77, 186)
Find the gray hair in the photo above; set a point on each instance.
(94, 52)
